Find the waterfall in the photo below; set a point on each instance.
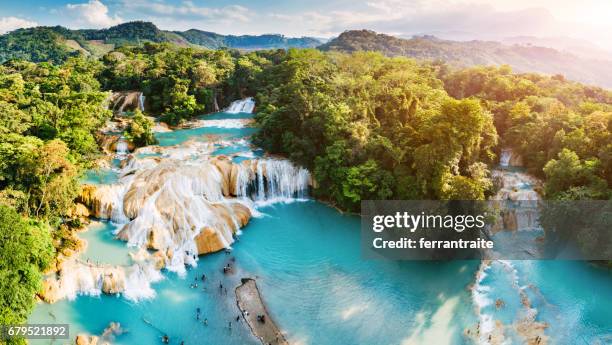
(272, 180)
(168, 204)
(180, 205)
(122, 147)
(504, 159)
(133, 281)
(141, 100)
(241, 106)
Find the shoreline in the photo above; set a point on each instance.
(251, 306)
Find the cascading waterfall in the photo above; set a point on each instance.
(272, 180)
(141, 100)
(122, 147)
(182, 204)
(241, 106)
(520, 199)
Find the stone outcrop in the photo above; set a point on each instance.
(84, 339)
(125, 101)
(113, 280)
(208, 241)
(50, 292)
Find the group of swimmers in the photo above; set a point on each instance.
(222, 290)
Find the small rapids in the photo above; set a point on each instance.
(241, 106)
(501, 301)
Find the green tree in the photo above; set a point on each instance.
(25, 251)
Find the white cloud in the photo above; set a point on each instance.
(92, 14)
(12, 23)
(189, 11)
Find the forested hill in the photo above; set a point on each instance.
(522, 58)
(57, 43)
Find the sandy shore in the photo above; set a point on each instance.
(251, 305)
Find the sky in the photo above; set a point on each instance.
(452, 19)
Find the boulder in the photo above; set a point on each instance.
(84, 339)
(50, 292)
(113, 280)
(208, 241)
(80, 210)
(224, 164)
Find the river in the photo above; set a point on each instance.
(307, 262)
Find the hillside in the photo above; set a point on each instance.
(249, 42)
(57, 43)
(522, 58)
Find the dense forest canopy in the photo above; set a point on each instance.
(49, 117)
(372, 127)
(561, 128)
(366, 125)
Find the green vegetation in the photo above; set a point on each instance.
(181, 82)
(367, 126)
(523, 58)
(562, 129)
(56, 44)
(49, 115)
(35, 44)
(371, 127)
(215, 41)
(25, 251)
(178, 82)
(140, 130)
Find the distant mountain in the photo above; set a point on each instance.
(249, 42)
(57, 43)
(579, 47)
(522, 58)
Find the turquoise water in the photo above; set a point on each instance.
(306, 259)
(100, 176)
(212, 133)
(102, 247)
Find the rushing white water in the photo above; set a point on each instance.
(271, 180)
(141, 100)
(225, 123)
(241, 106)
(122, 147)
(520, 200)
(182, 203)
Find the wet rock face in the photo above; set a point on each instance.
(125, 101)
(208, 241)
(180, 203)
(113, 280)
(516, 161)
(167, 203)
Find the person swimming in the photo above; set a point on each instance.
(165, 339)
